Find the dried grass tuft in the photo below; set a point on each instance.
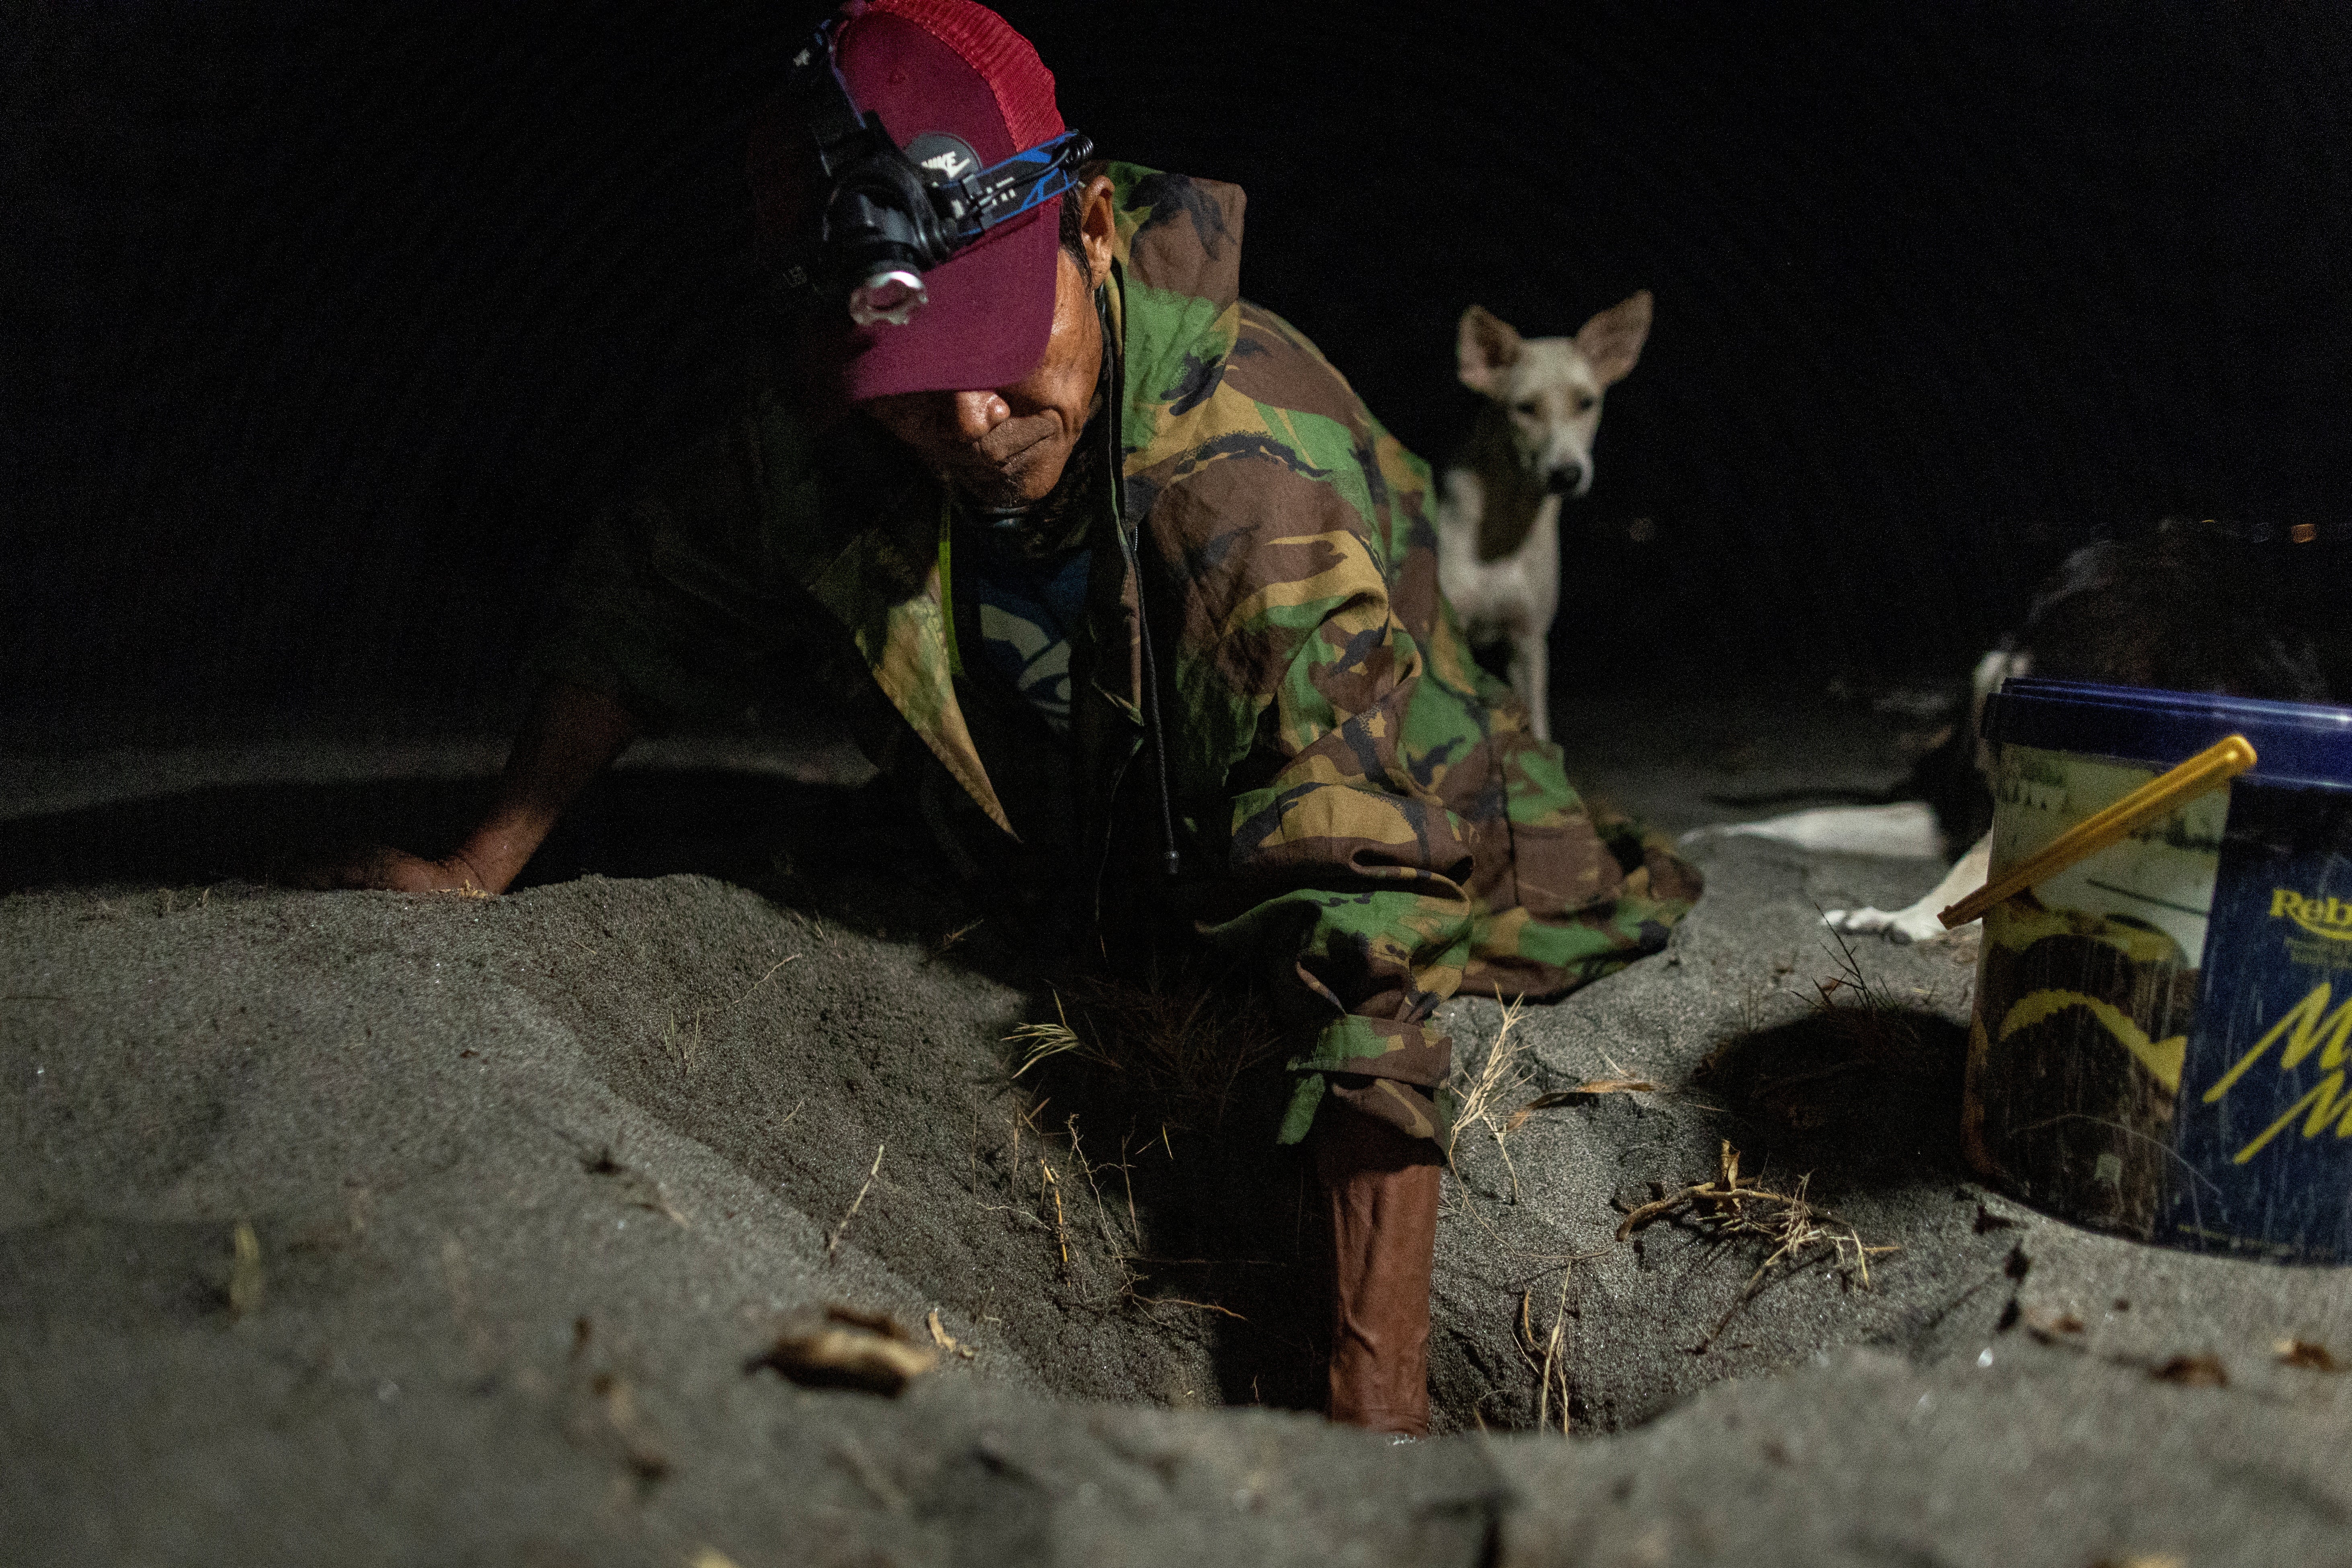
(1865, 1017)
(1038, 1043)
(1546, 1354)
(1181, 1044)
(1501, 1077)
(684, 1047)
(1503, 1074)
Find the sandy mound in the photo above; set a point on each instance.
(530, 1183)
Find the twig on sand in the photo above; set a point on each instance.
(1742, 1205)
(1020, 1119)
(1180, 1301)
(949, 941)
(870, 1475)
(764, 979)
(833, 1246)
(1061, 1230)
(1127, 1173)
(686, 1049)
(1013, 1167)
(1117, 1244)
(659, 1203)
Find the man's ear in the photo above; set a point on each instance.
(1098, 229)
(1485, 344)
(1612, 340)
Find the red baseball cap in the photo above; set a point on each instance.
(929, 68)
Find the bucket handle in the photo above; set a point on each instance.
(2209, 769)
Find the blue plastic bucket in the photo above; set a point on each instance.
(2162, 1037)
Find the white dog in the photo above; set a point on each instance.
(2203, 606)
(1498, 500)
(1902, 828)
(1920, 921)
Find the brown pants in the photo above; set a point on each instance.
(1381, 1186)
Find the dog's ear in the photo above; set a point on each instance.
(1485, 343)
(1612, 340)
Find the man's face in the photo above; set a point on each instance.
(1005, 447)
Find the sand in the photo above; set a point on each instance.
(530, 1183)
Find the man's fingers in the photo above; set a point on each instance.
(382, 867)
(409, 874)
(353, 870)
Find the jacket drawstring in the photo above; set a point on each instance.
(1113, 432)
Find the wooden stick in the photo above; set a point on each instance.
(833, 1246)
(2167, 793)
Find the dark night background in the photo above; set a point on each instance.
(326, 325)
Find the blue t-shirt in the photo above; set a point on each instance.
(1027, 610)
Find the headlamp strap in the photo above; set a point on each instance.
(839, 131)
(1002, 192)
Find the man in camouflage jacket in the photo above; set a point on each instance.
(1271, 720)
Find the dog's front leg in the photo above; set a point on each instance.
(1530, 678)
(1918, 922)
(1537, 577)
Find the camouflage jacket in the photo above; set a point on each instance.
(1356, 803)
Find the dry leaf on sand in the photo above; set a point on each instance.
(848, 1348)
(2308, 1353)
(944, 1340)
(2054, 1328)
(1569, 1096)
(2194, 1371)
(245, 1280)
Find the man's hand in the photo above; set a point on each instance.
(572, 735)
(397, 871)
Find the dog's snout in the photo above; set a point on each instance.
(1568, 479)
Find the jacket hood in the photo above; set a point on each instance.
(1177, 302)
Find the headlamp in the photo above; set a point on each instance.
(887, 216)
